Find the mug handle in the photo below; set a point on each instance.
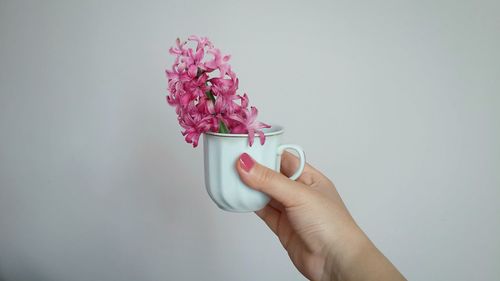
(302, 158)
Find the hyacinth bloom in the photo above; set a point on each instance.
(203, 89)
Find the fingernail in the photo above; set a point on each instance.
(246, 162)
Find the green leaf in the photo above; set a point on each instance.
(210, 95)
(222, 128)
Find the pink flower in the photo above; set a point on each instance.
(193, 59)
(195, 124)
(179, 48)
(249, 124)
(224, 86)
(219, 62)
(202, 41)
(243, 100)
(203, 101)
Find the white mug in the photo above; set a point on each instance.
(221, 151)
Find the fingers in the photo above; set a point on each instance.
(290, 164)
(276, 185)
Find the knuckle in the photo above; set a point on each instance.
(307, 178)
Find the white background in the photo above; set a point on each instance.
(397, 101)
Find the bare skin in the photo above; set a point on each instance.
(313, 224)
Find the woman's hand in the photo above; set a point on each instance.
(313, 224)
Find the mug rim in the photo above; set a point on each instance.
(274, 130)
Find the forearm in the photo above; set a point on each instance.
(358, 259)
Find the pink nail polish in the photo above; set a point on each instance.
(246, 162)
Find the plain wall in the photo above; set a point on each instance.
(397, 101)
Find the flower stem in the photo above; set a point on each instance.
(223, 128)
(210, 95)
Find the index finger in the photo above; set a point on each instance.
(290, 164)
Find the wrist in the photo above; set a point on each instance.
(358, 259)
(344, 258)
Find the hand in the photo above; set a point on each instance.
(313, 224)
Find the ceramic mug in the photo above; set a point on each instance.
(221, 151)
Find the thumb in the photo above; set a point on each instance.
(276, 185)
